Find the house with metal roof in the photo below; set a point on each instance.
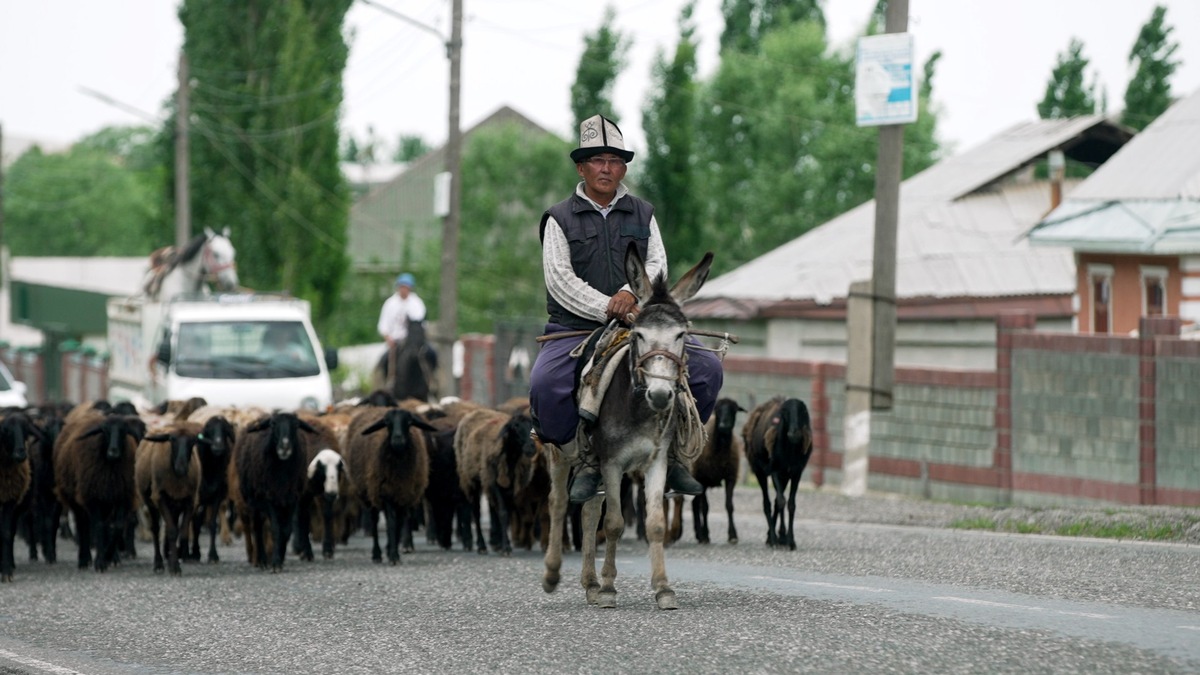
(961, 258)
(1134, 227)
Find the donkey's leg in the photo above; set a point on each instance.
(587, 577)
(656, 530)
(614, 527)
(559, 469)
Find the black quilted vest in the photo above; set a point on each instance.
(598, 246)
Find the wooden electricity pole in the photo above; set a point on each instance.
(183, 204)
(448, 298)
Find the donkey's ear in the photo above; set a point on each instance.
(635, 274)
(691, 282)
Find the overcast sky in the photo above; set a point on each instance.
(997, 58)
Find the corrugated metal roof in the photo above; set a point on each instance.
(1146, 199)
(959, 233)
(1161, 162)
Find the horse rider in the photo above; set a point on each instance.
(584, 239)
(401, 307)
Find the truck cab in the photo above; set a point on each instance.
(238, 349)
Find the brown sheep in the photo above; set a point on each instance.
(167, 474)
(17, 433)
(720, 461)
(494, 453)
(389, 470)
(93, 475)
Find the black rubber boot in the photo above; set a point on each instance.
(680, 481)
(585, 484)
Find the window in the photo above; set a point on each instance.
(1100, 283)
(1154, 291)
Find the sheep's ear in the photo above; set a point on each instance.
(305, 426)
(259, 424)
(375, 427)
(422, 424)
(157, 438)
(94, 431)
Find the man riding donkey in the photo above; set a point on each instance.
(403, 313)
(584, 239)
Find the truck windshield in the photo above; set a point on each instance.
(244, 350)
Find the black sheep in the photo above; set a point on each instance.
(93, 475)
(270, 468)
(719, 462)
(39, 524)
(214, 446)
(16, 432)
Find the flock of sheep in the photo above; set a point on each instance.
(294, 478)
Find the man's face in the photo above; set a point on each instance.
(602, 174)
(403, 291)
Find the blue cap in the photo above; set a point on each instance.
(405, 279)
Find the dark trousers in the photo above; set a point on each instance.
(552, 381)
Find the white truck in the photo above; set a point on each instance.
(237, 349)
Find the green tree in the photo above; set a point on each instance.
(604, 55)
(1149, 91)
(410, 147)
(666, 174)
(265, 98)
(101, 197)
(510, 176)
(747, 21)
(1067, 94)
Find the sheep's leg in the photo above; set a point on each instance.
(462, 511)
(476, 519)
(154, 532)
(764, 484)
(591, 519)
(302, 541)
(700, 518)
(501, 514)
(791, 535)
(84, 537)
(393, 530)
(327, 517)
(655, 481)
(780, 481)
(559, 469)
(213, 515)
(48, 531)
(406, 520)
(256, 526)
(729, 486)
(8, 531)
(372, 525)
(280, 517)
(171, 513)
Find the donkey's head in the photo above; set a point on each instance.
(659, 332)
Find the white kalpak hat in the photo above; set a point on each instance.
(598, 134)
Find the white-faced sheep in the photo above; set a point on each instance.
(269, 470)
(214, 447)
(389, 468)
(494, 452)
(326, 488)
(719, 463)
(93, 475)
(17, 433)
(167, 475)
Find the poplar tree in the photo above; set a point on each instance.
(1067, 94)
(603, 58)
(1149, 91)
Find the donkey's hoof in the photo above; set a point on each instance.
(666, 599)
(592, 593)
(606, 599)
(550, 583)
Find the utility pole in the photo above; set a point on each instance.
(448, 299)
(183, 204)
(871, 306)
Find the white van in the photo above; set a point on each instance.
(237, 349)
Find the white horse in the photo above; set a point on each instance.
(208, 257)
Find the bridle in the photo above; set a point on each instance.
(212, 266)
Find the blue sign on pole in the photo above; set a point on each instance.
(884, 86)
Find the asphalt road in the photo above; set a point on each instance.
(855, 597)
